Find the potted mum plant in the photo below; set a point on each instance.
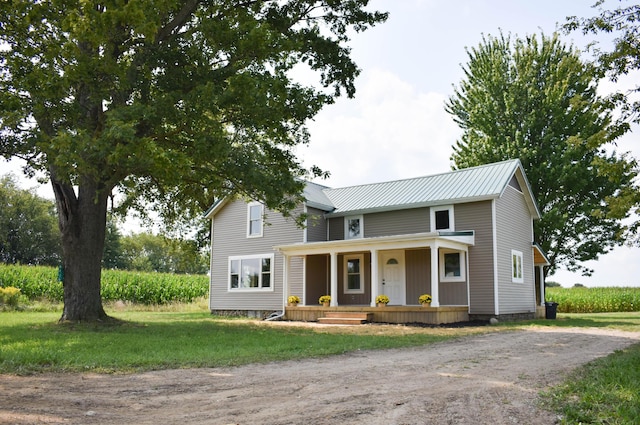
(293, 300)
(325, 300)
(425, 300)
(382, 300)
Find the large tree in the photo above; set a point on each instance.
(169, 103)
(623, 57)
(535, 99)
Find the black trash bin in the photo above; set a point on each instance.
(550, 310)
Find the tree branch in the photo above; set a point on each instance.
(178, 20)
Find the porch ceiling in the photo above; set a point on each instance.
(539, 256)
(452, 240)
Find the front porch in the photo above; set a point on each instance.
(402, 267)
(388, 314)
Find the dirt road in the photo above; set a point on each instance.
(491, 378)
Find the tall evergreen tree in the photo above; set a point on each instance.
(535, 99)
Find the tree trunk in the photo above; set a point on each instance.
(82, 221)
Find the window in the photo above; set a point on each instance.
(516, 267)
(251, 272)
(442, 218)
(353, 274)
(255, 211)
(353, 227)
(452, 266)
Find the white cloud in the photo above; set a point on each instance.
(392, 131)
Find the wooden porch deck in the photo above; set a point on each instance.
(388, 314)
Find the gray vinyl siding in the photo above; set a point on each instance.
(400, 222)
(418, 274)
(477, 216)
(230, 239)
(388, 223)
(336, 228)
(316, 225)
(514, 232)
(318, 280)
(296, 277)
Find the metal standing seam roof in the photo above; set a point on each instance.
(483, 182)
(315, 195)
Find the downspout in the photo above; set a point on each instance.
(275, 316)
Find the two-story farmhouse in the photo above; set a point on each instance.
(465, 237)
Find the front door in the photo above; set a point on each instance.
(392, 283)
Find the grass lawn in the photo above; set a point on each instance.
(33, 342)
(605, 391)
(620, 321)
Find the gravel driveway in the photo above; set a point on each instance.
(491, 378)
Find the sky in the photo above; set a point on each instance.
(396, 126)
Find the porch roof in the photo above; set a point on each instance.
(539, 256)
(454, 240)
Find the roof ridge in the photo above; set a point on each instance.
(493, 164)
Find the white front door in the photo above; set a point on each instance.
(392, 277)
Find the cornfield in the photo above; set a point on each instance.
(594, 300)
(37, 282)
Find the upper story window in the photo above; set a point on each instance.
(516, 267)
(255, 212)
(442, 218)
(251, 272)
(353, 227)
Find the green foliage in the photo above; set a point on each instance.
(172, 104)
(145, 288)
(624, 24)
(535, 99)
(153, 288)
(605, 391)
(149, 252)
(113, 257)
(28, 227)
(176, 103)
(33, 281)
(594, 300)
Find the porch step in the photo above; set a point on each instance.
(345, 318)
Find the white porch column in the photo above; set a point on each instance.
(286, 264)
(374, 276)
(435, 297)
(542, 294)
(304, 279)
(334, 279)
